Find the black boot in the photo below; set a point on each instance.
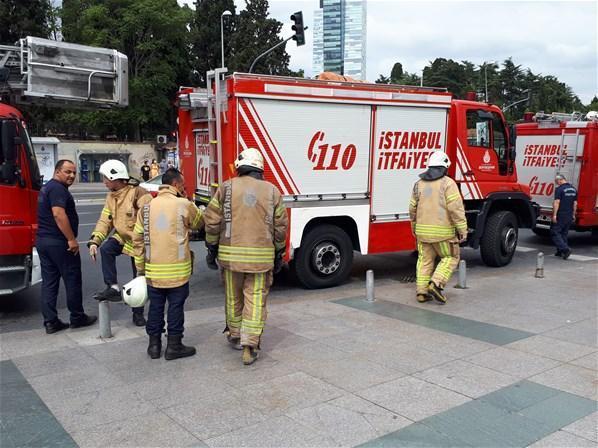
(154, 349)
(110, 294)
(138, 319)
(175, 348)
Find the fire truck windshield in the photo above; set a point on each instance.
(9, 168)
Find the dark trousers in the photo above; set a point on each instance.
(109, 250)
(559, 231)
(56, 263)
(176, 309)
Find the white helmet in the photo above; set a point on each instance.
(114, 169)
(135, 292)
(592, 115)
(250, 157)
(439, 158)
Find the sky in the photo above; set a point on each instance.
(556, 38)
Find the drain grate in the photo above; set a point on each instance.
(407, 279)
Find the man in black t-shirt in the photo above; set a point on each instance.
(563, 215)
(145, 171)
(58, 249)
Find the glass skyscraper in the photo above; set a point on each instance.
(340, 38)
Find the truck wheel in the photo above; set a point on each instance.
(324, 258)
(500, 239)
(541, 232)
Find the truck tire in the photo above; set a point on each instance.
(324, 258)
(499, 241)
(541, 232)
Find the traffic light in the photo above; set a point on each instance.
(299, 36)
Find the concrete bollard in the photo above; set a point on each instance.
(369, 286)
(104, 319)
(462, 283)
(540, 265)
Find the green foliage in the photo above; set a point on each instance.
(21, 18)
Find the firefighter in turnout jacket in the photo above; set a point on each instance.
(162, 254)
(246, 228)
(119, 215)
(439, 225)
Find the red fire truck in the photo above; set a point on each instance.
(57, 74)
(346, 155)
(566, 144)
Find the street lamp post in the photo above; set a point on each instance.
(225, 13)
(486, 77)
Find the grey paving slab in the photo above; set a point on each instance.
(589, 362)
(512, 362)
(24, 418)
(586, 427)
(284, 393)
(276, 432)
(561, 439)
(466, 378)
(519, 396)
(327, 327)
(481, 331)
(280, 338)
(70, 359)
(150, 430)
(349, 420)
(414, 436)
(583, 332)
(267, 368)
(312, 352)
(412, 398)
(24, 343)
(552, 348)
(569, 378)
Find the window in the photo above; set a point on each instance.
(36, 178)
(478, 130)
(8, 169)
(486, 130)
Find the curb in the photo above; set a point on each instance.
(90, 201)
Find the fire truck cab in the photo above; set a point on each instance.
(345, 157)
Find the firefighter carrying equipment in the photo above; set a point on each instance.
(161, 238)
(120, 214)
(250, 157)
(134, 293)
(439, 158)
(114, 169)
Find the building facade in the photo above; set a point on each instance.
(340, 37)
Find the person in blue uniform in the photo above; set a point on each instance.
(58, 249)
(563, 215)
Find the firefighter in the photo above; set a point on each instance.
(246, 228)
(439, 225)
(162, 254)
(119, 215)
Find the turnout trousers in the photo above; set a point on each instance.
(427, 252)
(246, 295)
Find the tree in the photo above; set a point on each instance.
(382, 80)
(21, 18)
(396, 74)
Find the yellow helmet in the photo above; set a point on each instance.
(250, 157)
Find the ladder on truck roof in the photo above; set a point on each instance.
(56, 73)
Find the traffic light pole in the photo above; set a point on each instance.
(269, 51)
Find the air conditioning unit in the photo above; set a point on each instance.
(162, 139)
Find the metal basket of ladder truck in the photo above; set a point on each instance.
(345, 155)
(548, 144)
(41, 71)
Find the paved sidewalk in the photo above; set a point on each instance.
(511, 361)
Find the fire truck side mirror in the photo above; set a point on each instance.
(512, 136)
(10, 141)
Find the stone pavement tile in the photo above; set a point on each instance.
(586, 427)
(573, 379)
(297, 390)
(551, 348)
(405, 357)
(512, 362)
(3, 355)
(70, 359)
(149, 430)
(350, 374)
(82, 411)
(323, 328)
(519, 396)
(265, 369)
(211, 416)
(589, 362)
(304, 353)
(74, 382)
(129, 353)
(450, 344)
(32, 342)
(583, 332)
(559, 410)
(412, 397)
(275, 337)
(561, 439)
(91, 336)
(276, 432)
(10, 374)
(416, 435)
(203, 316)
(466, 378)
(349, 420)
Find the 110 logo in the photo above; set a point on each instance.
(327, 157)
(540, 188)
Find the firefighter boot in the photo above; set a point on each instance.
(154, 349)
(422, 298)
(138, 318)
(249, 355)
(436, 292)
(235, 343)
(175, 348)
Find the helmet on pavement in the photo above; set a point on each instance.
(439, 158)
(114, 169)
(135, 292)
(251, 157)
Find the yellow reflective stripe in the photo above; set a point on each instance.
(106, 211)
(280, 210)
(99, 235)
(412, 203)
(452, 197)
(128, 245)
(211, 238)
(169, 266)
(196, 219)
(214, 203)
(138, 229)
(246, 250)
(241, 259)
(139, 259)
(168, 276)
